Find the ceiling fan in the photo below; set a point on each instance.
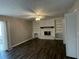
(35, 14)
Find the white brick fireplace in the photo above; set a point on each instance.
(44, 29)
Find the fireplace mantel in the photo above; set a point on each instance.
(47, 27)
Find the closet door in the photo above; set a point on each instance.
(71, 35)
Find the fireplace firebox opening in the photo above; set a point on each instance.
(47, 33)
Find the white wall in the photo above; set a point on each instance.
(75, 6)
(19, 30)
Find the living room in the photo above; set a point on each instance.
(51, 20)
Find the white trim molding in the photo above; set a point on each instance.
(19, 43)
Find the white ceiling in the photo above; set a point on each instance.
(23, 7)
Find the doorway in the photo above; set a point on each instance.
(3, 36)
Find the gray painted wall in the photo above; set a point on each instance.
(19, 30)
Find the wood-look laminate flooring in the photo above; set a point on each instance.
(36, 49)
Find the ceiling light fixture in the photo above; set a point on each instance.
(38, 18)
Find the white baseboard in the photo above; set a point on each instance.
(20, 43)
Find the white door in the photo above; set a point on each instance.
(3, 36)
(71, 35)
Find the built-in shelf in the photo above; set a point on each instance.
(47, 27)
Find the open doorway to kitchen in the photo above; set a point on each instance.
(3, 36)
